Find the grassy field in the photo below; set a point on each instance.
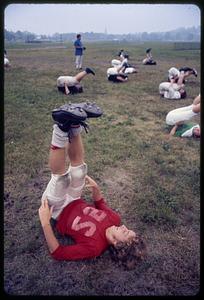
(152, 180)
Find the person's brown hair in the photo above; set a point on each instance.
(129, 255)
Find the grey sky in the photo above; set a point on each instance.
(115, 18)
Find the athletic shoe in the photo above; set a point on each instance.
(195, 72)
(91, 109)
(89, 71)
(66, 115)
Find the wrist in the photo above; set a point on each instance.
(45, 224)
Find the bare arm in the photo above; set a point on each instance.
(96, 192)
(196, 108)
(67, 91)
(196, 100)
(45, 215)
(173, 130)
(181, 79)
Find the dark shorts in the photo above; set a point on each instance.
(73, 89)
(115, 79)
(185, 69)
(151, 62)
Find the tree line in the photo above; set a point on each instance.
(192, 34)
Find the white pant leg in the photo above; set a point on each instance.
(180, 114)
(63, 189)
(81, 61)
(78, 61)
(77, 183)
(164, 86)
(129, 70)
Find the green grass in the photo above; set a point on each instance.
(153, 181)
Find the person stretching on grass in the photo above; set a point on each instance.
(174, 73)
(149, 59)
(170, 90)
(123, 60)
(71, 84)
(93, 227)
(117, 74)
(177, 118)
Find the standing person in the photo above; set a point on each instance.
(71, 84)
(179, 116)
(94, 227)
(79, 48)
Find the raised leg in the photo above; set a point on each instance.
(58, 150)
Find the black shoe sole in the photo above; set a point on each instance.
(68, 112)
(92, 110)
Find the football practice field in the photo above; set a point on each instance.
(152, 180)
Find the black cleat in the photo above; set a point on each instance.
(68, 114)
(92, 110)
(89, 71)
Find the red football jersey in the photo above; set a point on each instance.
(87, 225)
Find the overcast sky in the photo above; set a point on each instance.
(113, 18)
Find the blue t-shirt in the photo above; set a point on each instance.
(78, 51)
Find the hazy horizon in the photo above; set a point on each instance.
(100, 18)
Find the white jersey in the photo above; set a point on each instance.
(115, 62)
(173, 72)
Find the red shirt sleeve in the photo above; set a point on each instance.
(102, 204)
(74, 252)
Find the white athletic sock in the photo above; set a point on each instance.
(76, 129)
(59, 137)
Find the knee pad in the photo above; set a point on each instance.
(77, 175)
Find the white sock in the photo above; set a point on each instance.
(59, 137)
(75, 130)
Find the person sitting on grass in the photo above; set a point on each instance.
(179, 116)
(71, 84)
(174, 73)
(94, 227)
(149, 59)
(170, 90)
